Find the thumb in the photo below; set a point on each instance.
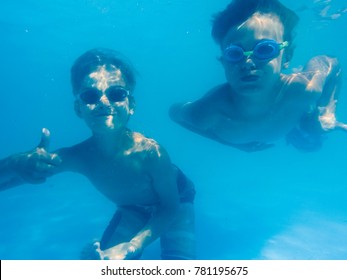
(97, 249)
(45, 139)
(96, 245)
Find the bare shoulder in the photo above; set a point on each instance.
(152, 156)
(146, 147)
(316, 72)
(298, 86)
(213, 97)
(322, 64)
(295, 81)
(200, 113)
(310, 82)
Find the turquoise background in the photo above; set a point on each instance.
(275, 204)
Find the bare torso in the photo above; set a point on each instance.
(123, 177)
(217, 114)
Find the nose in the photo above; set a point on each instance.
(248, 64)
(104, 105)
(104, 100)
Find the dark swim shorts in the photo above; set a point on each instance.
(178, 242)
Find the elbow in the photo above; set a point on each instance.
(331, 61)
(335, 65)
(175, 112)
(334, 69)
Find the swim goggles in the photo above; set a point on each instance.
(264, 50)
(113, 94)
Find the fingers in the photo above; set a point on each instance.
(54, 159)
(101, 254)
(96, 246)
(44, 169)
(43, 147)
(45, 139)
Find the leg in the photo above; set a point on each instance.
(124, 225)
(178, 243)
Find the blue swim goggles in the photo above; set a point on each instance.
(264, 50)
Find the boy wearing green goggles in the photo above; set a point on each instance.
(259, 104)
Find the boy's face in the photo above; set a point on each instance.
(252, 76)
(104, 101)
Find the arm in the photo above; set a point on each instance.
(30, 167)
(198, 117)
(164, 183)
(165, 186)
(324, 77)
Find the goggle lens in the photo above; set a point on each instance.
(266, 50)
(90, 96)
(117, 94)
(233, 53)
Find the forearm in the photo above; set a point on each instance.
(8, 177)
(159, 223)
(325, 75)
(332, 84)
(178, 113)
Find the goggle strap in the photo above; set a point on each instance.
(248, 53)
(284, 44)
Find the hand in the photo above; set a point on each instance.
(122, 251)
(89, 252)
(35, 166)
(327, 117)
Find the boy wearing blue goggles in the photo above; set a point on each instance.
(259, 104)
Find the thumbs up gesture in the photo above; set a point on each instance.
(36, 165)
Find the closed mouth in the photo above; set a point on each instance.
(250, 78)
(104, 114)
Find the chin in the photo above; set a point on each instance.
(104, 127)
(249, 89)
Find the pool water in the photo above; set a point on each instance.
(275, 204)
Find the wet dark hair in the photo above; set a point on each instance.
(90, 60)
(239, 11)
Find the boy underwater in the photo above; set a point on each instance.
(258, 104)
(153, 197)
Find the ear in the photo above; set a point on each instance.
(132, 104)
(285, 62)
(77, 107)
(220, 59)
(287, 56)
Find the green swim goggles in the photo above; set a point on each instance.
(264, 50)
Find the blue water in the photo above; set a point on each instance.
(275, 204)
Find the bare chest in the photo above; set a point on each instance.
(266, 128)
(266, 122)
(123, 182)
